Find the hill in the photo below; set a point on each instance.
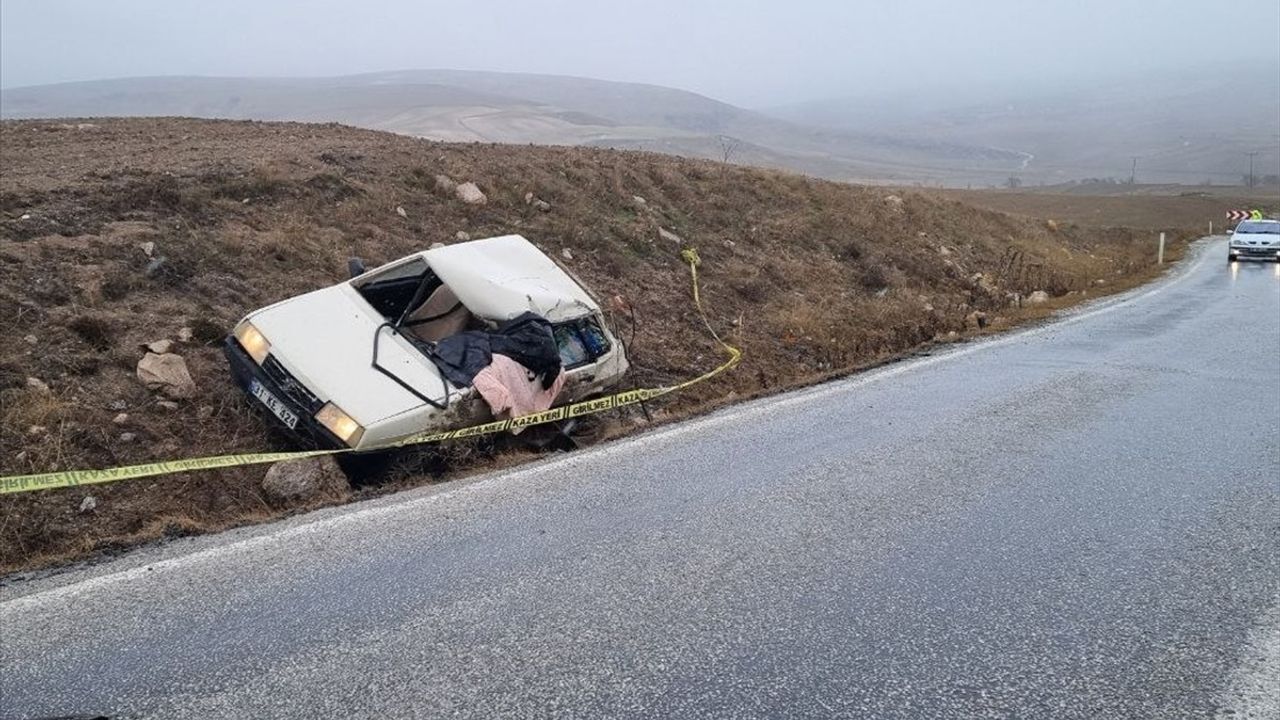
(463, 106)
(117, 233)
(1193, 128)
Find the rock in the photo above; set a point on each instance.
(25, 216)
(205, 412)
(470, 194)
(928, 307)
(893, 201)
(943, 250)
(148, 248)
(528, 198)
(22, 455)
(953, 335)
(462, 236)
(37, 430)
(641, 202)
(566, 254)
(31, 339)
(435, 245)
(120, 419)
(542, 205)
(983, 281)
(117, 405)
(1100, 281)
(160, 347)
(167, 404)
(38, 385)
(882, 292)
(976, 319)
(1038, 297)
(400, 211)
(127, 437)
(1052, 225)
(445, 184)
(167, 373)
(305, 479)
(88, 504)
(665, 234)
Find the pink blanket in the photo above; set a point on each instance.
(511, 391)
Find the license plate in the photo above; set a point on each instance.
(273, 404)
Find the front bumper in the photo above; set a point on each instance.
(1254, 252)
(287, 390)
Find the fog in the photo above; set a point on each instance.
(750, 53)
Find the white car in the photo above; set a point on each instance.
(1256, 240)
(349, 365)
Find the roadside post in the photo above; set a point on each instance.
(1160, 256)
(1210, 227)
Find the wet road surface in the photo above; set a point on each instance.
(1077, 521)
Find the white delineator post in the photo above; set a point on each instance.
(1160, 256)
(1210, 227)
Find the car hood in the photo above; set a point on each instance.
(1255, 239)
(325, 339)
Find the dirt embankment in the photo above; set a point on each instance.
(1185, 208)
(117, 233)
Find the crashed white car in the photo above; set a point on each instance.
(351, 366)
(1255, 240)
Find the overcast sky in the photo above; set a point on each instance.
(748, 52)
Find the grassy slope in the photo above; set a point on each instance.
(810, 278)
(1178, 206)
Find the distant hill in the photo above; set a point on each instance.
(1188, 128)
(519, 108)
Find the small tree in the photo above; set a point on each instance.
(728, 146)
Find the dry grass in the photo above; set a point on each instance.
(812, 279)
(1188, 209)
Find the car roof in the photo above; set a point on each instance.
(501, 277)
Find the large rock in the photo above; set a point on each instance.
(1038, 297)
(665, 234)
(305, 479)
(470, 194)
(976, 320)
(167, 373)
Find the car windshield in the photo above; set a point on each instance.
(1258, 228)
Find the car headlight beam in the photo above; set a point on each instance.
(253, 341)
(341, 424)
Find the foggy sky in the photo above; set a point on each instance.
(750, 52)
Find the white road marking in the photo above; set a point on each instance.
(735, 414)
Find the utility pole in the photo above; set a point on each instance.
(1251, 154)
(1133, 172)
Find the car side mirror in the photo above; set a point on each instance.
(355, 267)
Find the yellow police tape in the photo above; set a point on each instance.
(70, 478)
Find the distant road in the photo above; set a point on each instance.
(1077, 521)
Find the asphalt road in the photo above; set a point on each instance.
(1077, 521)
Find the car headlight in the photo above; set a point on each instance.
(340, 424)
(253, 342)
